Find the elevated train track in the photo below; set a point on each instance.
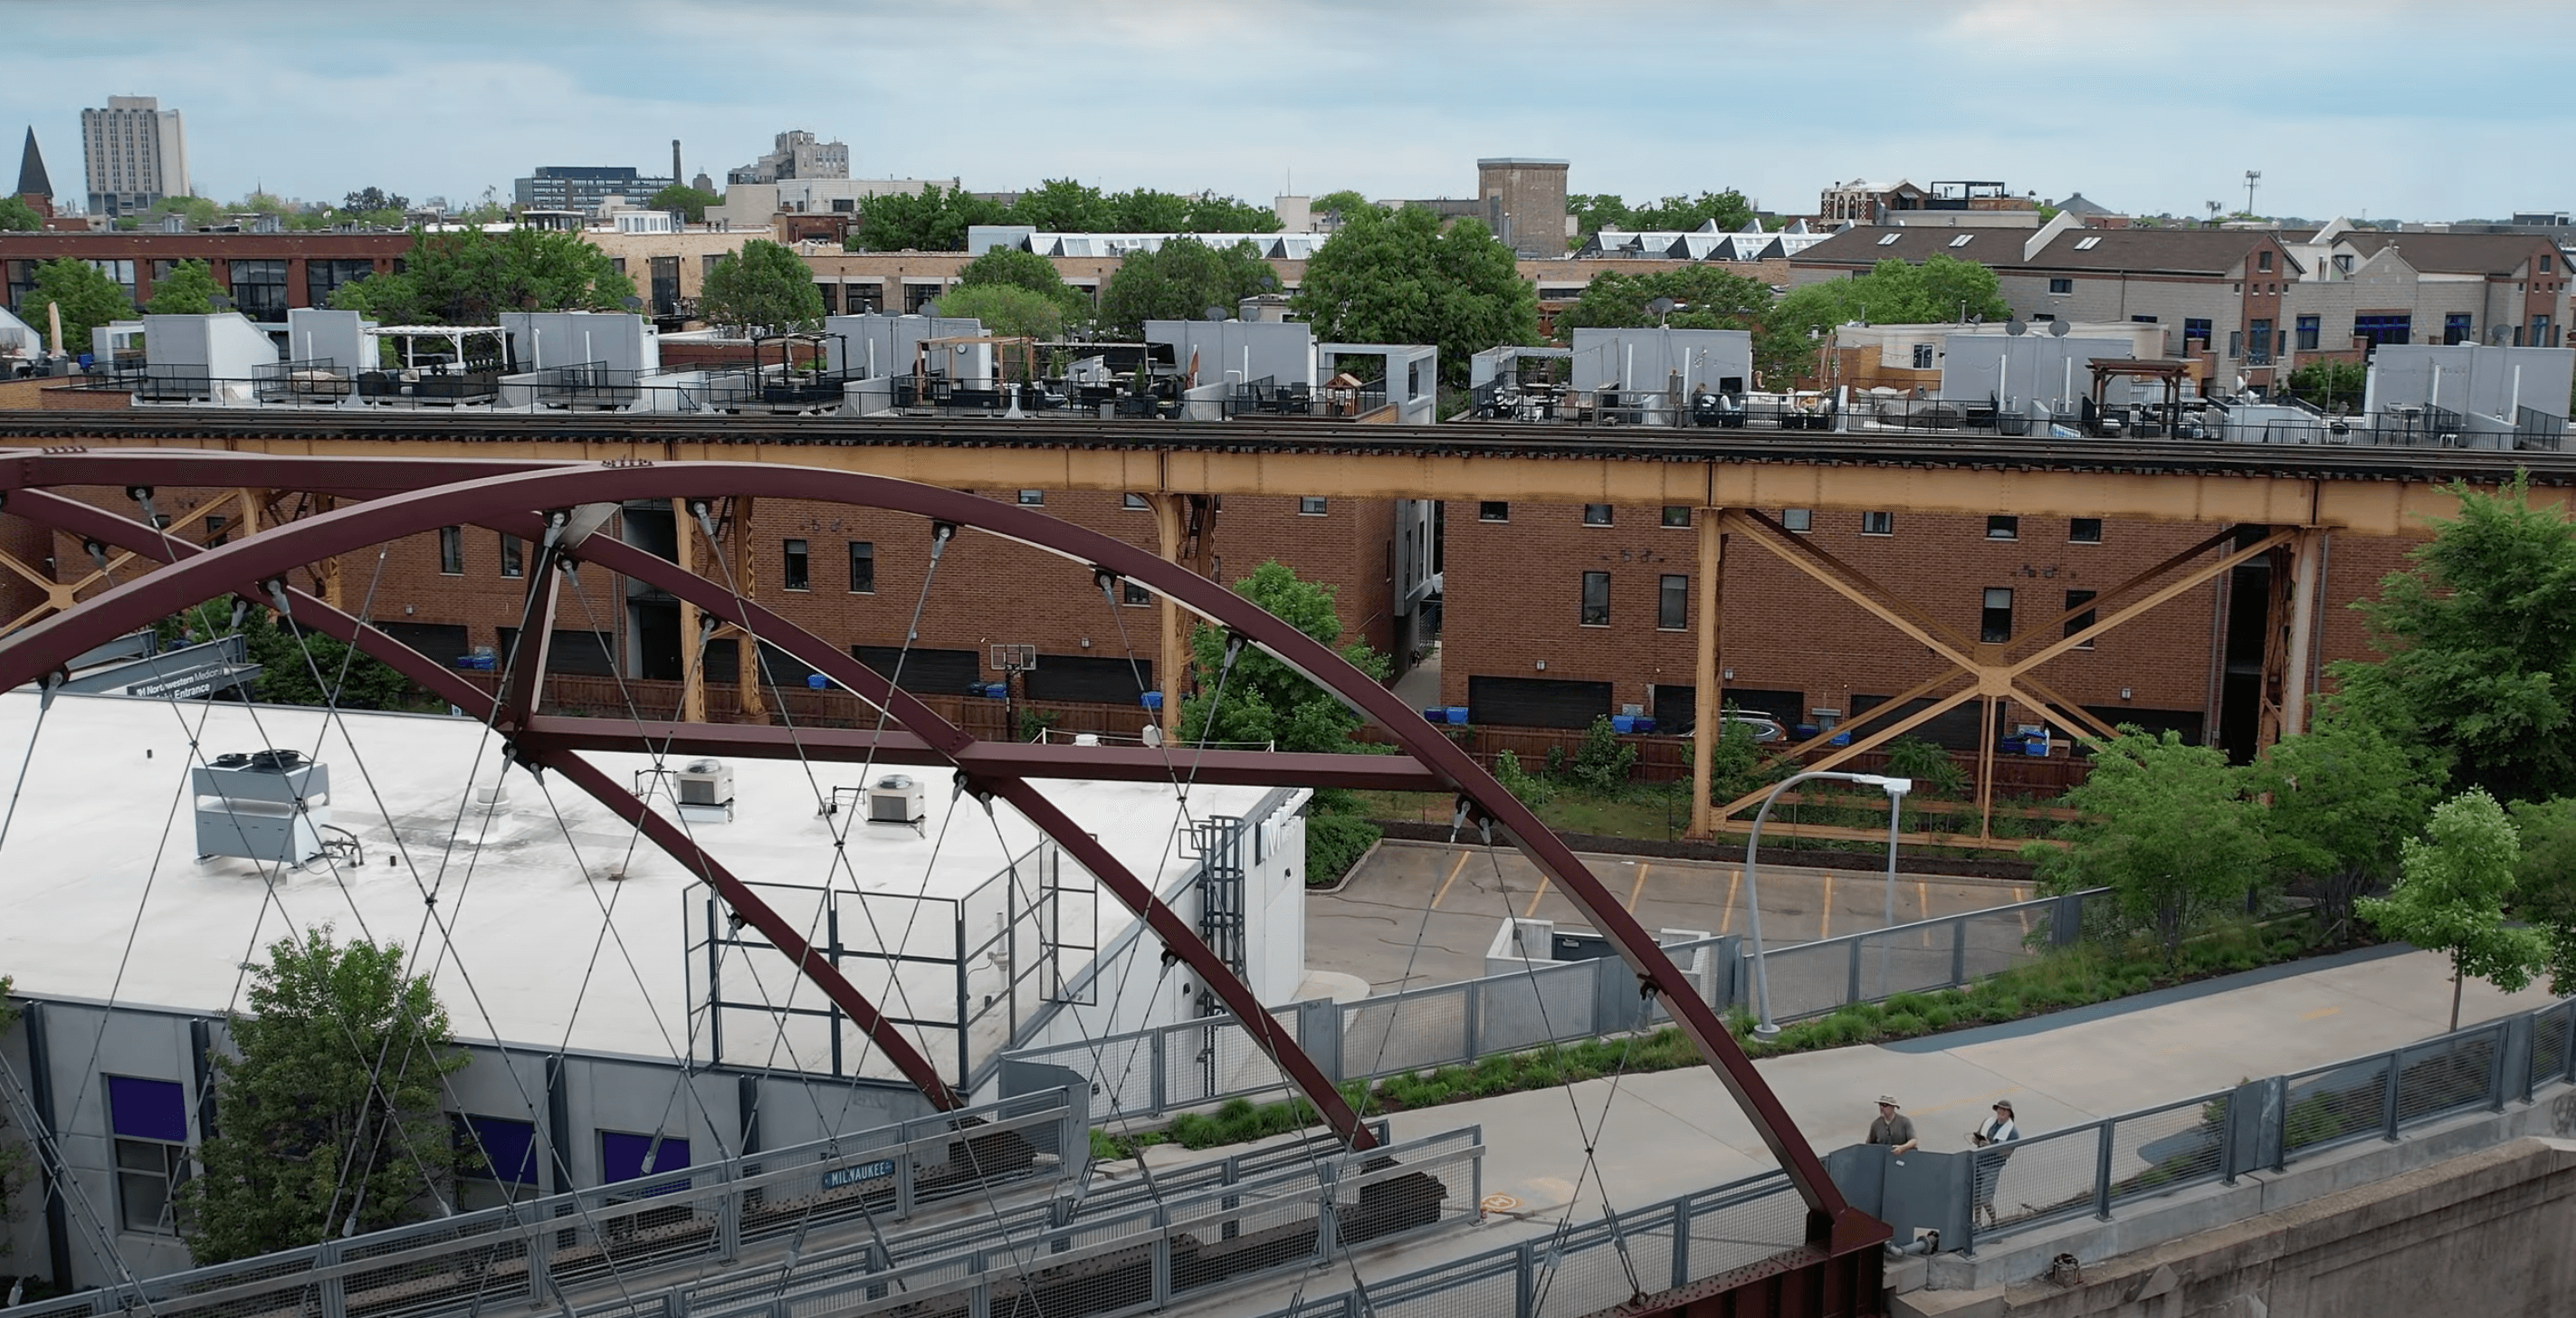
(2372, 490)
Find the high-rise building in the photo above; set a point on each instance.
(799, 155)
(136, 152)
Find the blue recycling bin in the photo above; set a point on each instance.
(816, 682)
(1623, 724)
(1150, 699)
(1457, 715)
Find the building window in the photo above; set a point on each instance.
(2142, 320)
(2384, 329)
(2084, 530)
(2540, 335)
(1493, 510)
(259, 289)
(2003, 528)
(1923, 356)
(1136, 503)
(1033, 498)
(2544, 263)
(618, 264)
(1878, 523)
(2194, 330)
(2343, 264)
(2263, 261)
(1596, 599)
(150, 1121)
(1672, 603)
(2307, 331)
(1995, 627)
(451, 550)
(1310, 506)
(512, 565)
(2061, 286)
(322, 278)
(1677, 514)
(2459, 327)
(624, 1157)
(1132, 594)
(918, 297)
(215, 533)
(495, 1150)
(1596, 514)
(863, 567)
(707, 263)
(1801, 520)
(795, 566)
(2258, 337)
(2077, 599)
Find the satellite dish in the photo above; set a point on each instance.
(634, 303)
(1662, 306)
(2058, 329)
(2015, 327)
(1213, 313)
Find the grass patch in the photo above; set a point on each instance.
(2077, 976)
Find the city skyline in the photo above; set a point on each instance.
(1317, 95)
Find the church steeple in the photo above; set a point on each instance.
(32, 180)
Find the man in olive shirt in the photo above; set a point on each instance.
(1892, 1128)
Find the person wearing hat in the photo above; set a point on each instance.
(1994, 1130)
(1892, 1128)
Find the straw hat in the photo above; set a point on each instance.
(1886, 1101)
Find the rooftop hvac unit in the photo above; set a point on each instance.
(706, 783)
(265, 805)
(898, 799)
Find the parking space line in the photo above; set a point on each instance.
(1532, 912)
(1634, 892)
(1726, 916)
(1453, 878)
(1825, 911)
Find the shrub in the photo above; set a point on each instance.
(1528, 788)
(1603, 762)
(1334, 843)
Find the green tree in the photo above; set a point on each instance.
(1705, 297)
(1594, 211)
(1180, 281)
(198, 211)
(2480, 639)
(691, 202)
(2544, 882)
(2342, 796)
(1262, 699)
(2166, 827)
(932, 220)
(1940, 290)
(309, 673)
(1729, 209)
(1396, 277)
(763, 287)
(18, 216)
(469, 277)
(1014, 268)
(329, 1117)
(2454, 885)
(372, 198)
(1333, 207)
(87, 296)
(1006, 309)
(188, 290)
(2329, 383)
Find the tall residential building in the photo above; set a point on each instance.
(798, 156)
(585, 187)
(136, 152)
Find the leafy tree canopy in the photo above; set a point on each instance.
(17, 216)
(188, 290)
(2329, 383)
(1940, 290)
(2456, 882)
(1014, 268)
(1262, 699)
(2544, 882)
(1396, 277)
(1006, 309)
(469, 277)
(1180, 281)
(763, 287)
(691, 202)
(373, 198)
(87, 296)
(2480, 638)
(936, 218)
(1341, 205)
(330, 1116)
(2167, 828)
(2343, 795)
(1706, 298)
(1596, 211)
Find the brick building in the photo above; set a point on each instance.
(1555, 614)
(265, 273)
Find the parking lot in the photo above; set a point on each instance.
(1416, 913)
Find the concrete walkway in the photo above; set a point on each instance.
(1674, 1132)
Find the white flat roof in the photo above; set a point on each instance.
(104, 827)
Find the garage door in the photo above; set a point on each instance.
(1955, 730)
(923, 672)
(444, 644)
(1076, 677)
(578, 653)
(1676, 707)
(1536, 702)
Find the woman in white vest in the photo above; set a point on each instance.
(1997, 1129)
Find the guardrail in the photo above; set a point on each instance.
(1150, 1072)
(534, 1251)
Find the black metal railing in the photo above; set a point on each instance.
(314, 380)
(594, 385)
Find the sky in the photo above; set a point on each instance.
(2385, 109)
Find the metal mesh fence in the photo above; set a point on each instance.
(2446, 1075)
(2550, 1043)
(2333, 1104)
(2044, 1177)
(2164, 1149)
(1424, 1028)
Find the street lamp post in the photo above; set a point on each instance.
(1896, 789)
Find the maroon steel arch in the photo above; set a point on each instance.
(508, 499)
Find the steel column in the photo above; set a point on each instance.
(1708, 698)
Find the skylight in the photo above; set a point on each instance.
(2088, 244)
(1962, 240)
(1889, 240)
